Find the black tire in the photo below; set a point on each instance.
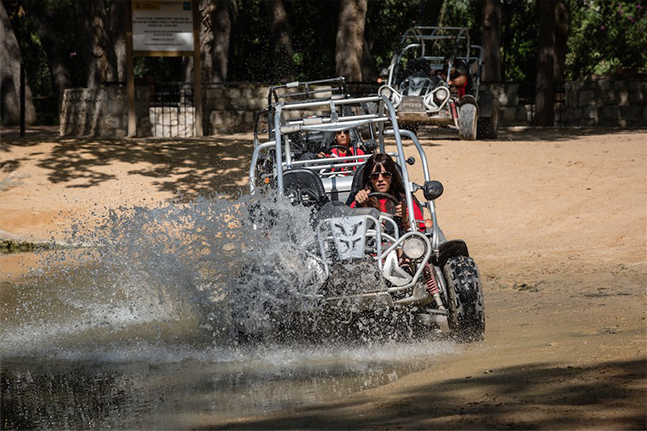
(467, 122)
(465, 299)
(488, 128)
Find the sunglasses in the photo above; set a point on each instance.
(386, 175)
(342, 132)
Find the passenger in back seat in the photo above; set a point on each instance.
(342, 138)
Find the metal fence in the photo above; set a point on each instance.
(172, 109)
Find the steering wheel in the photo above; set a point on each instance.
(336, 147)
(382, 195)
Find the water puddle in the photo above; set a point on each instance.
(172, 317)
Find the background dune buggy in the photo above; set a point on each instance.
(363, 238)
(422, 97)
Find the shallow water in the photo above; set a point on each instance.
(141, 327)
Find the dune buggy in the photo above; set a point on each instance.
(417, 83)
(441, 287)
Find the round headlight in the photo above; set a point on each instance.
(414, 247)
(441, 94)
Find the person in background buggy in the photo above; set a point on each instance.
(342, 147)
(459, 77)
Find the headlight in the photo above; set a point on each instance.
(414, 247)
(391, 94)
(441, 94)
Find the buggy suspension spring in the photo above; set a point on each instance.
(432, 287)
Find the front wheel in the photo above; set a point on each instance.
(467, 122)
(465, 299)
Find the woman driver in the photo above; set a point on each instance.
(380, 174)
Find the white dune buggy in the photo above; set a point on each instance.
(417, 83)
(441, 285)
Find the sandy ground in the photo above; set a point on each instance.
(556, 220)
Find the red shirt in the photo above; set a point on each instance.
(337, 152)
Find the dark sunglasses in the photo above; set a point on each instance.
(386, 175)
(345, 132)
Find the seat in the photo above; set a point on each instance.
(304, 187)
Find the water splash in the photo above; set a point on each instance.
(180, 280)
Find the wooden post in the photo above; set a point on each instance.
(130, 73)
(197, 69)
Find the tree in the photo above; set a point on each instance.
(350, 39)
(43, 18)
(606, 36)
(117, 29)
(544, 92)
(492, 40)
(215, 30)
(430, 12)
(221, 30)
(98, 46)
(10, 76)
(562, 26)
(281, 41)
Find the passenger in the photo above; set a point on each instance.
(459, 76)
(380, 174)
(342, 139)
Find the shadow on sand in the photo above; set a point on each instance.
(512, 398)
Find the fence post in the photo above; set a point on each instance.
(22, 100)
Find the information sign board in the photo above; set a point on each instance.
(162, 25)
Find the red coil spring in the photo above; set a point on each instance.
(432, 287)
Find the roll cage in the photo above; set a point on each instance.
(293, 119)
(429, 45)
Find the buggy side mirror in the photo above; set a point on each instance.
(411, 161)
(432, 190)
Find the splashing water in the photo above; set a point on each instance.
(187, 284)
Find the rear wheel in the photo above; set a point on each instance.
(465, 299)
(467, 122)
(488, 128)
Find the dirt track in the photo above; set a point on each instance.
(556, 220)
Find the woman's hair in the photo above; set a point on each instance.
(385, 161)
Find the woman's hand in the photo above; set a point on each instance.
(398, 210)
(361, 198)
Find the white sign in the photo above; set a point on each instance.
(162, 25)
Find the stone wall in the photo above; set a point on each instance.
(103, 112)
(608, 101)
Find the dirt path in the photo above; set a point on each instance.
(556, 220)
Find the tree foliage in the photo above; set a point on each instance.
(606, 35)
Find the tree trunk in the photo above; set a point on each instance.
(57, 55)
(280, 34)
(544, 91)
(430, 11)
(492, 41)
(215, 29)
(350, 39)
(117, 28)
(100, 57)
(562, 27)
(10, 77)
(369, 70)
